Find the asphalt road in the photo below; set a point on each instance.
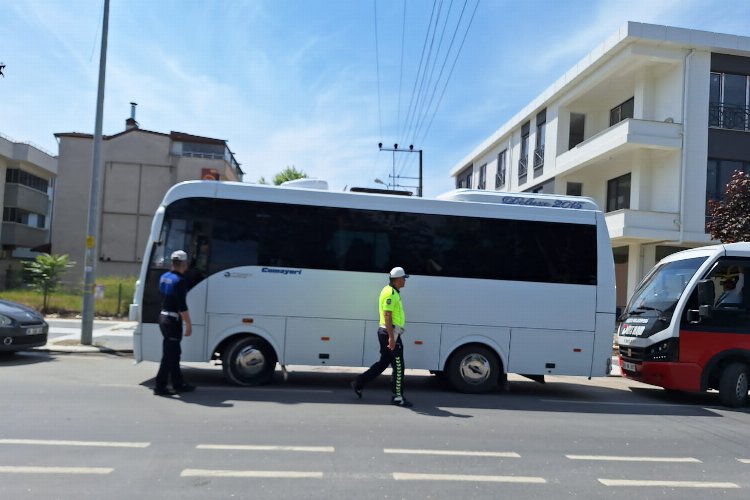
(87, 426)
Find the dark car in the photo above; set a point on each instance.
(21, 327)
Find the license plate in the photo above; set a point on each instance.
(628, 366)
(35, 331)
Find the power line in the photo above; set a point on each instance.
(377, 64)
(451, 71)
(442, 68)
(401, 71)
(419, 69)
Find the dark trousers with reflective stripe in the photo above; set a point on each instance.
(171, 331)
(394, 358)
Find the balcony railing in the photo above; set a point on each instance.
(523, 168)
(538, 160)
(728, 116)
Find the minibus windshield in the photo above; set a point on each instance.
(662, 288)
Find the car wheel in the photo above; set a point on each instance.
(733, 385)
(473, 369)
(248, 361)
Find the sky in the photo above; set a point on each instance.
(312, 84)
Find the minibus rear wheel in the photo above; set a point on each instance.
(248, 361)
(733, 385)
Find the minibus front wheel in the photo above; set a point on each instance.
(248, 361)
(733, 385)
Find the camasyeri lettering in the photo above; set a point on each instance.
(281, 271)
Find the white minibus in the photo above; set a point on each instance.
(500, 282)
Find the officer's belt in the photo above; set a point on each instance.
(172, 314)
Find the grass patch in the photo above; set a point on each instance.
(69, 301)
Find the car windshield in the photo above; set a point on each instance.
(663, 287)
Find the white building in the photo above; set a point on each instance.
(27, 177)
(650, 124)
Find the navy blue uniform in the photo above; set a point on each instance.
(174, 293)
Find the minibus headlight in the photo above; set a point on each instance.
(667, 350)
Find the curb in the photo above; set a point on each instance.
(82, 349)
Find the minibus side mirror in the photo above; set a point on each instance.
(706, 297)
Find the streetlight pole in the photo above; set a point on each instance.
(410, 150)
(87, 320)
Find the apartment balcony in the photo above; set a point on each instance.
(21, 235)
(31, 200)
(624, 137)
(641, 224)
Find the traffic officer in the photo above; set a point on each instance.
(174, 312)
(392, 321)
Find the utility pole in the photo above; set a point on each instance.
(394, 176)
(92, 245)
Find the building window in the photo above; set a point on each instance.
(20, 216)
(463, 179)
(541, 130)
(577, 123)
(718, 176)
(729, 103)
(523, 160)
(502, 159)
(17, 176)
(618, 193)
(574, 189)
(482, 184)
(622, 112)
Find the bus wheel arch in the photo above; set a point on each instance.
(474, 368)
(711, 376)
(247, 359)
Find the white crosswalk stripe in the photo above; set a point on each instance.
(248, 447)
(460, 453)
(612, 458)
(12, 469)
(57, 442)
(268, 474)
(667, 484)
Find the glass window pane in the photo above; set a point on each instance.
(734, 90)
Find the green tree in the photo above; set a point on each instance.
(730, 219)
(288, 174)
(46, 271)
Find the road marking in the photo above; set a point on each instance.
(54, 442)
(272, 474)
(7, 469)
(249, 447)
(405, 476)
(498, 454)
(744, 460)
(633, 459)
(666, 484)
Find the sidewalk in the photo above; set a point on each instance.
(108, 336)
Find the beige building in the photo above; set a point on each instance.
(139, 168)
(27, 175)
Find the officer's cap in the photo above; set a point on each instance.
(398, 272)
(179, 256)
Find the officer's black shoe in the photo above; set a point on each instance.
(162, 391)
(357, 390)
(185, 388)
(401, 401)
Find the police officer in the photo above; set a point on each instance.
(392, 321)
(173, 312)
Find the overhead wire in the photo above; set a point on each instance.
(453, 67)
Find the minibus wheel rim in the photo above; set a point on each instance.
(742, 385)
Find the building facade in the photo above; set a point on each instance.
(27, 180)
(650, 124)
(139, 168)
